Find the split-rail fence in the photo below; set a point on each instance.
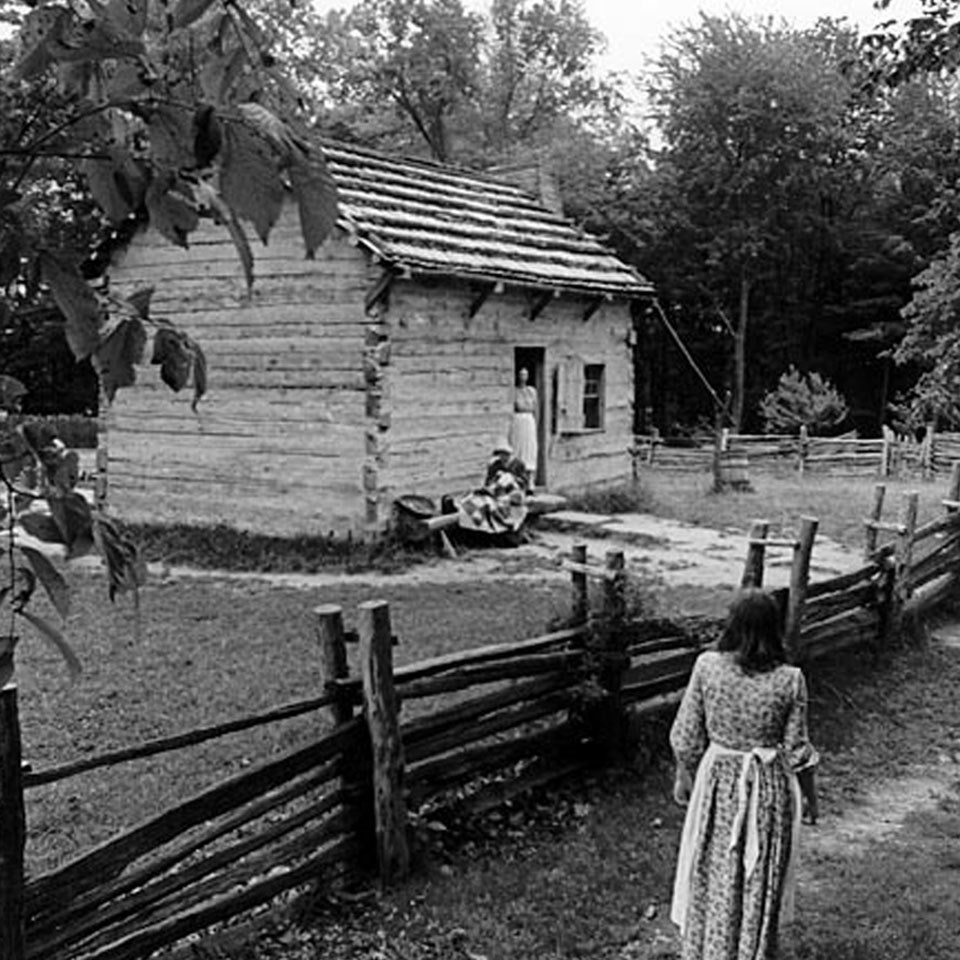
(452, 735)
(892, 455)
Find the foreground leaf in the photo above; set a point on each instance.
(317, 200)
(12, 392)
(250, 180)
(117, 356)
(57, 640)
(77, 302)
(50, 579)
(74, 519)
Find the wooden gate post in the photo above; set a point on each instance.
(799, 577)
(12, 828)
(903, 559)
(952, 502)
(871, 526)
(753, 565)
(380, 705)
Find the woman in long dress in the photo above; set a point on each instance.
(745, 772)
(523, 427)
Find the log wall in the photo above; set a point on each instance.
(450, 386)
(278, 446)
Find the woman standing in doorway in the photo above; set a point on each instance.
(745, 772)
(523, 429)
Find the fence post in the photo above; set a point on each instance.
(904, 552)
(799, 577)
(802, 450)
(614, 660)
(380, 704)
(953, 494)
(12, 828)
(753, 566)
(928, 454)
(580, 598)
(870, 528)
(333, 650)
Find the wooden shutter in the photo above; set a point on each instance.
(570, 391)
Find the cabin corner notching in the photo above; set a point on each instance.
(384, 366)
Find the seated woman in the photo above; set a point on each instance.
(499, 506)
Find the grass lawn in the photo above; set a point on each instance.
(581, 871)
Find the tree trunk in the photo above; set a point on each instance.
(740, 355)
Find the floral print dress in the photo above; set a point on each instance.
(745, 736)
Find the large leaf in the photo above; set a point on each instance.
(77, 302)
(56, 639)
(139, 300)
(209, 197)
(316, 195)
(171, 136)
(189, 11)
(274, 130)
(15, 454)
(116, 183)
(92, 40)
(250, 180)
(74, 519)
(39, 26)
(172, 354)
(119, 354)
(41, 526)
(172, 212)
(207, 135)
(50, 578)
(125, 568)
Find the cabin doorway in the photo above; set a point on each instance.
(532, 359)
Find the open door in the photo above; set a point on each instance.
(533, 360)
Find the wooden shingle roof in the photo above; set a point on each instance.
(428, 218)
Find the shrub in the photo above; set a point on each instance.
(802, 400)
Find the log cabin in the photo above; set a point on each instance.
(383, 366)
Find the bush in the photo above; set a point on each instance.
(802, 400)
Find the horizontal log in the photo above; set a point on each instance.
(774, 542)
(435, 774)
(144, 941)
(884, 525)
(489, 653)
(435, 723)
(835, 604)
(177, 742)
(655, 688)
(185, 849)
(473, 730)
(931, 595)
(98, 913)
(651, 706)
(111, 857)
(825, 630)
(948, 524)
(462, 677)
(590, 570)
(659, 644)
(935, 565)
(853, 637)
(843, 582)
(646, 670)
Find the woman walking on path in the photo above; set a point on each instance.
(523, 427)
(744, 771)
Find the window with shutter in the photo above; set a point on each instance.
(594, 390)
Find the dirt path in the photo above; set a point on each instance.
(657, 550)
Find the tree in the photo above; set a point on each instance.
(414, 74)
(752, 119)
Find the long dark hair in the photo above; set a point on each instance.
(753, 633)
